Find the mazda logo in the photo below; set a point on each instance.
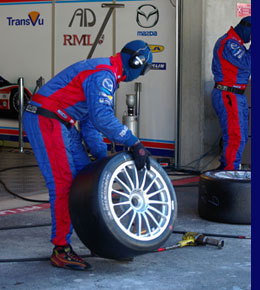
(147, 16)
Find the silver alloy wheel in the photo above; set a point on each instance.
(140, 201)
(230, 174)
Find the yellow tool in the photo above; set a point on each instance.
(201, 239)
(193, 239)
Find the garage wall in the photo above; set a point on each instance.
(203, 24)
(191, 118)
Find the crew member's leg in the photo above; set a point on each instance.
(49, 138)
(226, 107)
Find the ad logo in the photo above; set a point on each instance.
(147, 16)
(33, 19)
(147, 33)
(81, 18)
(77, 40)
(158, 66)
(156, 48)
(86, 17)
(108, 84)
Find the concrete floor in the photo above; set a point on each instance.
(188, 268)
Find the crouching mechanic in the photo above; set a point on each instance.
(84, 91)
(231, 67)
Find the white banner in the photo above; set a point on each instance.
(26, 50)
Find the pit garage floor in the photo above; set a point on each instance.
(25, 246)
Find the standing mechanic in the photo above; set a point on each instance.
(231, 67)
(84, 92)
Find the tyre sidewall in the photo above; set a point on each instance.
(225, 200)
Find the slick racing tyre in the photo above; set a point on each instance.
(225, 196)
(119, 212)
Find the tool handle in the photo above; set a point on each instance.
(213, 242)
(203, 240)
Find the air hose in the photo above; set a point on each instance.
(15, 194)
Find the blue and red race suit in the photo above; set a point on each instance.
(231, 67)
(84, 92)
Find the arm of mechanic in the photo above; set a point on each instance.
(99, 90)
(237, 54)
(93, 138)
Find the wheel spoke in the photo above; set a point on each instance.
(157, 211)
(125, 213)
(136, 178)
(121, 182)
(150, 185)
(121, 193)
(122, 203)
(153, 218)
(132, 220)
(147, 223)
(139, 228)
(129, 179)
(150, 195)
(144, 180)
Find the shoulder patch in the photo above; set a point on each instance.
(234, 45)
(108, 84)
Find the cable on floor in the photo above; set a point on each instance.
(15, 194)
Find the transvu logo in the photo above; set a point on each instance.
(33, 19)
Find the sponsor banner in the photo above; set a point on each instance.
(154, 23)
(25, 41)
(243, 10)
(147, 15)
(147, 33)
(33, 19)
(159, 66)
(156, 48)
(76, 26)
